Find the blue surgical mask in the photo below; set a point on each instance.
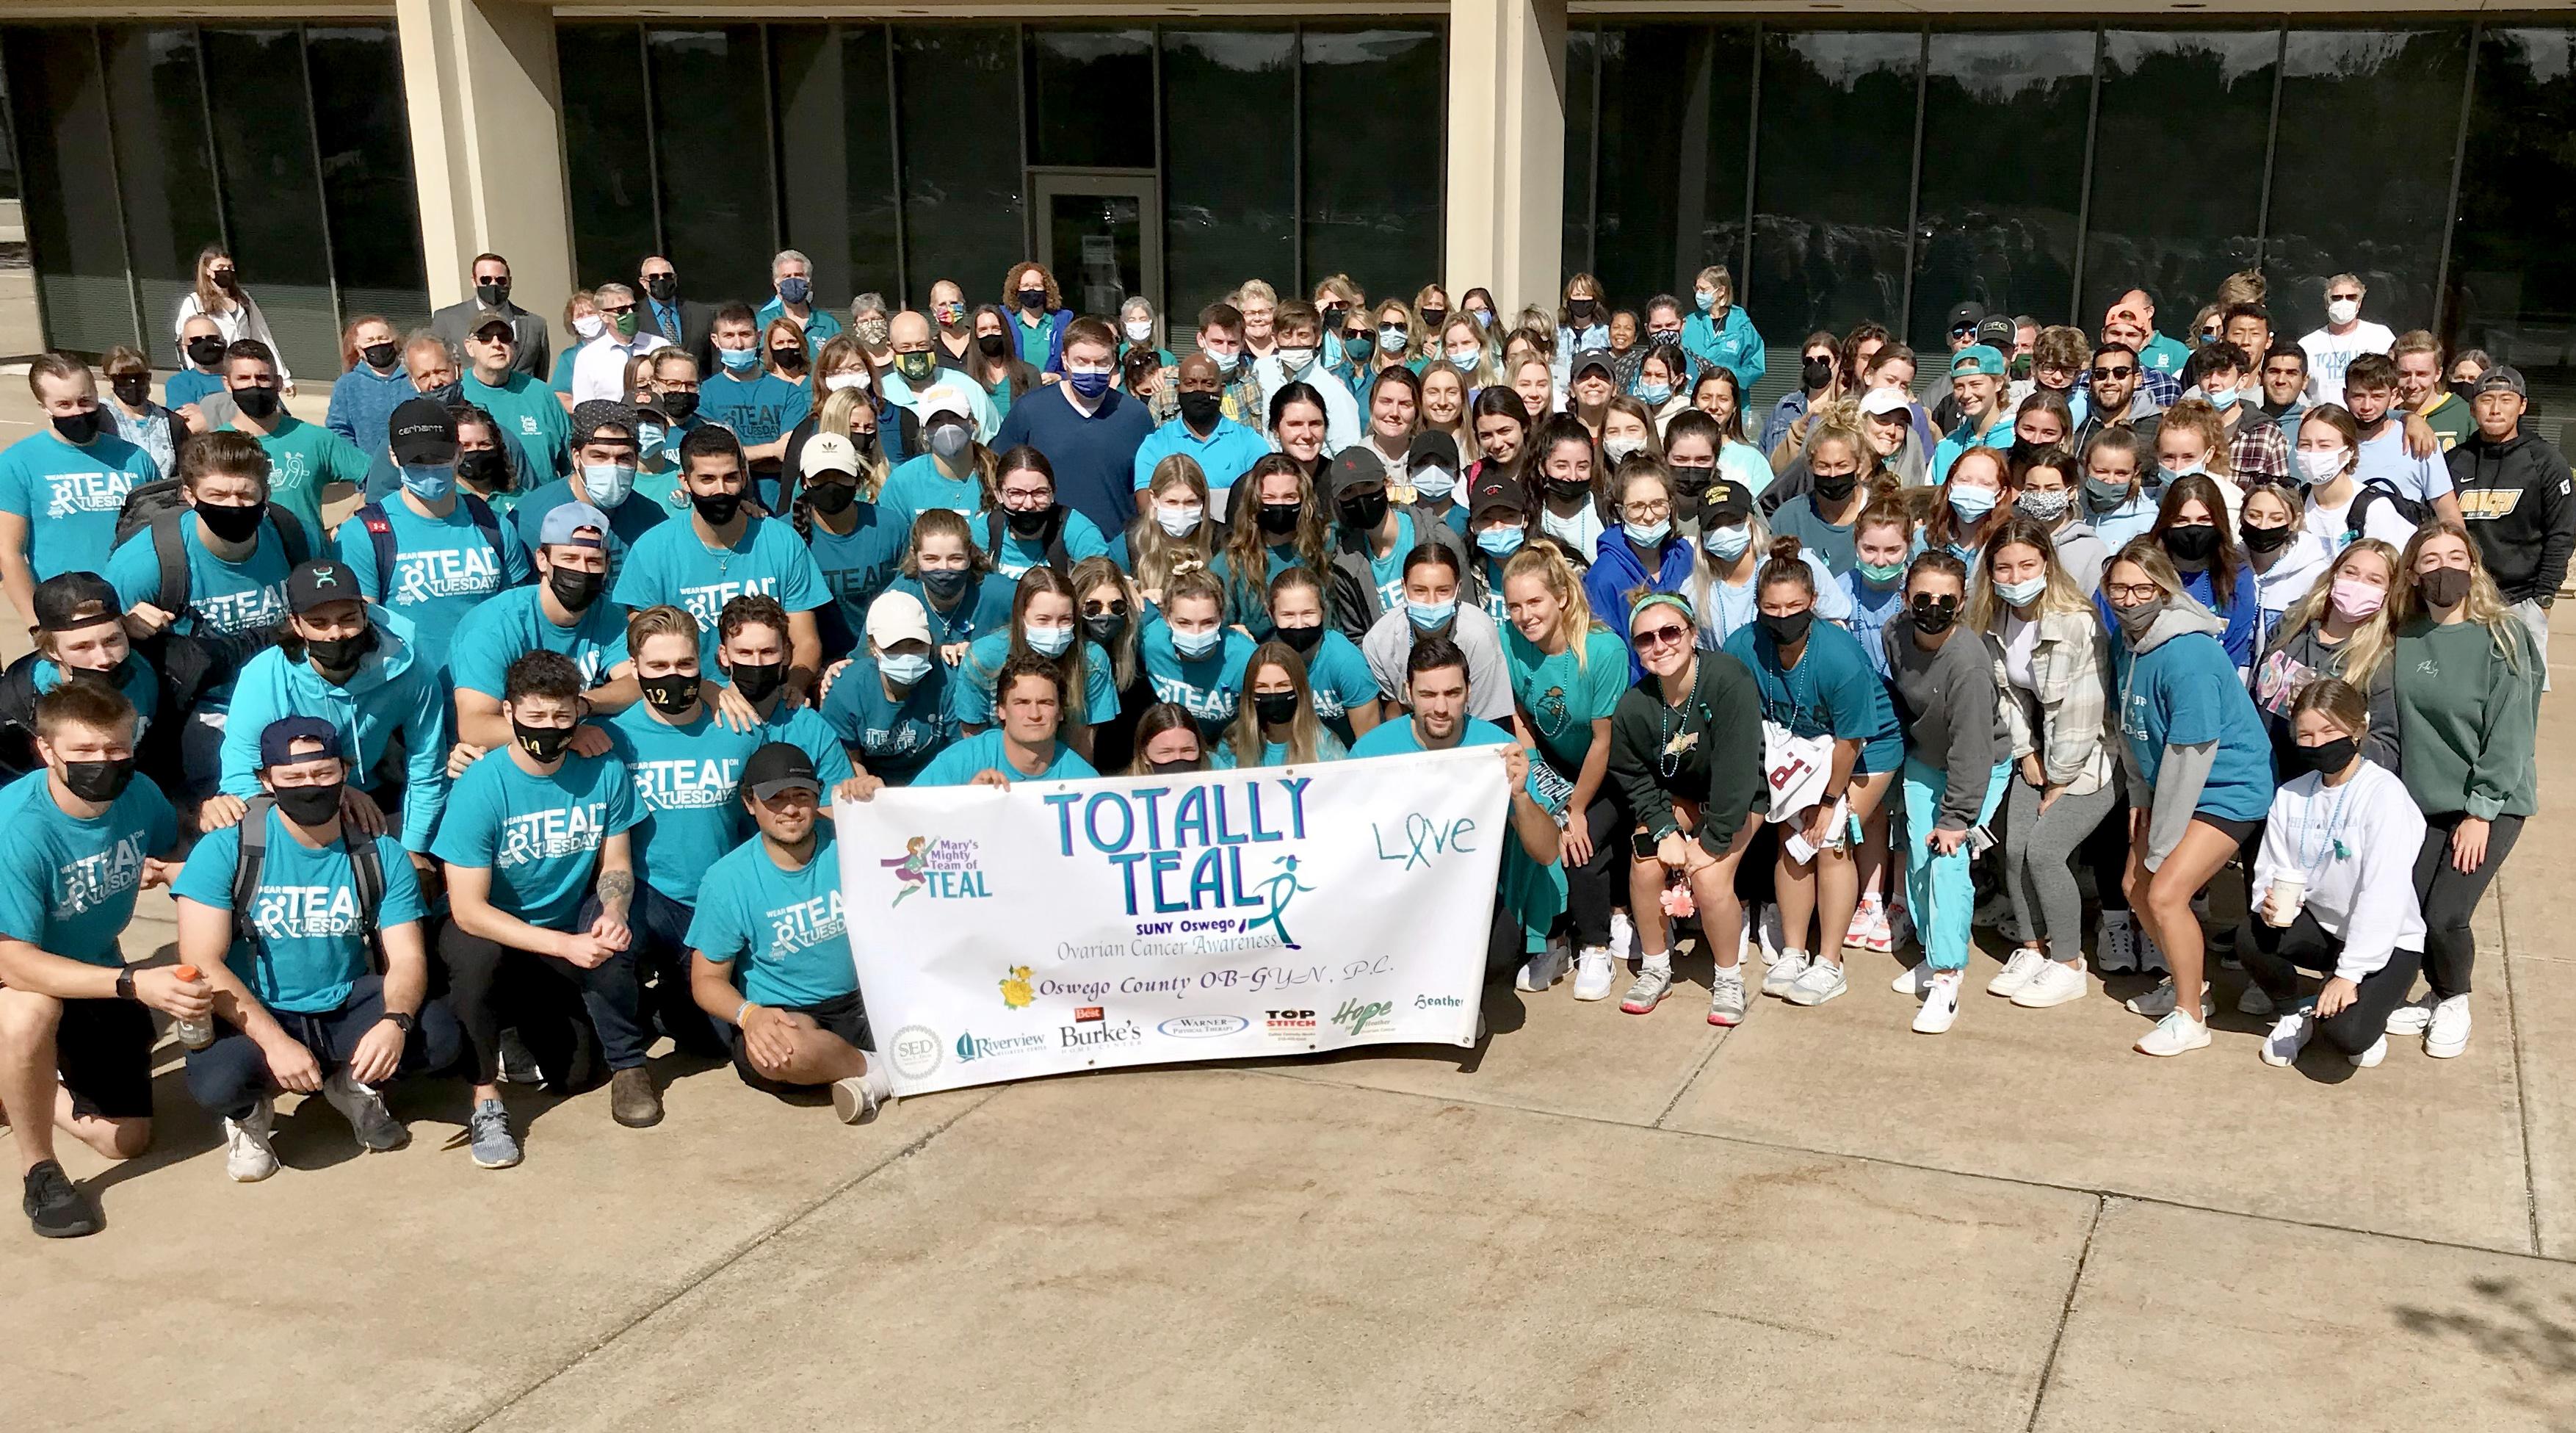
(2024, 593)
(1654, 395)
(1729, 542)
(1705, 300)
(1650, 534)
(1972, 504)
(1484, 318)
(1194, 645)
(1048, 641)
(1089, 382)
(429, 482)
(904, 669)
(607, 483)
(650, 437)
(2223, 399)
(1431, 616)
(738, 360)
(1433, 483)
(2187, 470)
(1501, 541)
(795, 290)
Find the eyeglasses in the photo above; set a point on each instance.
(2112, 375)
(614, 309)
(1646, 510)
(2131, 594)
(1665, 636)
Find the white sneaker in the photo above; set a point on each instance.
(2411, 1017)
(1865, 918)
(2058, 982)
(1543, 970)
(2158, 1003)
(2173, 1035)
(2018, 971)
(1913, 980)
(2369, 1059)
(1940, 1003)
(1726, 996)
(2290, 1034)
(1821, 981)
(1623, 940)
(2255, 1001)
(248, 1158)
(2447, 1035)
(1784, 972)
(1881, 935)
(2115, 943)
(1653, 984)
(1592, 972)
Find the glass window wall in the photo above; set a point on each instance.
(2004, 119)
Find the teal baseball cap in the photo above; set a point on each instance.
(1977, 358)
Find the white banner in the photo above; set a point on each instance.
(1063, 926)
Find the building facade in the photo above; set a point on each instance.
(1844, 166)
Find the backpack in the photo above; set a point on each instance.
(366, 871)
(997, 528)
(380, 530)
(2356, 517)
(157, 507)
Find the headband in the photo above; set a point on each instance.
(1674, 600)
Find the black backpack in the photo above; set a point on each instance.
(364, 869)
(380, 531)
(157, 508)
(2356, 518)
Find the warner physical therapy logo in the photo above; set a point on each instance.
(86, 492)
(1202, 1027)
(705, 602)
(1017, 992)
(806, 923)
(545, 835)
(95, 879)
(1197, 848)
(450, 572)
(689, 782)
(1359, 1018)
(286, 912)
(977, 1047)
(945, 870)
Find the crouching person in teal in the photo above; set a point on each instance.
(354, 665)
(285, 913)
(1533, 885)
(792, 1011)
(1029, 695)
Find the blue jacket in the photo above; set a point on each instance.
(1616, 572)
(391, 693)
(1738, 345)
(363, 403)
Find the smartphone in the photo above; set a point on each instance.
(1643, 845)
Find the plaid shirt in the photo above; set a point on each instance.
(2258, 451)
(2067, 721)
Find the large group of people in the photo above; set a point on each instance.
(531, 758)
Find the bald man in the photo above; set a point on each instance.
(1223, 448)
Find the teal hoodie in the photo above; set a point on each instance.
(392, 693)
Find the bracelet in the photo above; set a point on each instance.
(738, 1014)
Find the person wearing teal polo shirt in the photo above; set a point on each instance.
(78, 840)
(62, 486)
(760, 407)
(889, 706)
(1985, 420)
(725, 549)
(1224, 449)
(450, 551)
(795, 1016)
(1030, 696)
(526, 408)
(2161, 353)
(303, 457)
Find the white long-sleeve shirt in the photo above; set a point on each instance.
(2356, 844)
(242, 320)
(599, 366)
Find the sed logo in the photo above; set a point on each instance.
(915, 1051)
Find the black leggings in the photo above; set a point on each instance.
(2107, 852)
(2449, 898)
(2277, 957)
(1595, 888)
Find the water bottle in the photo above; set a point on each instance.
(196, 1034)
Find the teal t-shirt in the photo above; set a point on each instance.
(1207, 687)
(1388, 571)
(672, 564)
(444, 568)
(2185, 691)
(1248, 604)
(70, 496)
(687, 780)
(627, 522)
(789, 924)
(969, 756)
(1562, 698)
(514, 623)
(758, 410)
(970, 690)
(916, 486)
(67, 886)
(1533, 893)
(539, 836)
(529, 411)
(856, 566)
(224, 598)
(1328, 747)
(984, 608)
(804, 728)
(1833, 691)
(302, 458)
(1339, 678)
(894, 740)
(311, 942)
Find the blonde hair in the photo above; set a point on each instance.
(1305, 734)
(2200, 419)
(1574, 618)
(2358, 659)
(1155, 555)
(2484, 605)
(836, 419)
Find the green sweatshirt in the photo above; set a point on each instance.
(2466, 719)
(1708, 751)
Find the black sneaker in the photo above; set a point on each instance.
(54, 1206)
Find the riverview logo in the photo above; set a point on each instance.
(979, 1047)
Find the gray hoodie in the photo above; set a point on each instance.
(2185, 769)
(2083, 553)
(1946, 698)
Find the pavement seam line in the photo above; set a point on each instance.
(2521, 1076)
(2065, 1315)
(1682, 1090)
(690, 1283)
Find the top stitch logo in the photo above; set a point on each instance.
(946, 869)
(1017, 992)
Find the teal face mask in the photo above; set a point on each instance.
(1500, 541)
(1194, 645)
(1881, 574)
(738, 360)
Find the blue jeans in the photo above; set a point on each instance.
(661, 951)
(230, 1075)
(1939, 890)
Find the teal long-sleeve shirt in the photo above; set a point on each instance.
(392, 693)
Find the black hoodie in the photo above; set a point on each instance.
(2515, 497)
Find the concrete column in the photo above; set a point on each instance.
(479, 79)
(1507, 149)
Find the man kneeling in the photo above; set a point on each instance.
(284, 913)
(796, 1018)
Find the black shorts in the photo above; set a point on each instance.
(103, 1051)
(2236, 832)
(842, 1015)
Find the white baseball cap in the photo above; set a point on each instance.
(831, 453)
(944, 399)
(897, 617)
(1877, 403)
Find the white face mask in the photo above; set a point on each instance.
(2343, 310)
(588, 327)
(1180, 522)
(839, 381)
(1620, 447)
(1139, 329)
(2320, 468)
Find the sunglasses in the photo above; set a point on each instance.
(2106, 375)
(1664, 636)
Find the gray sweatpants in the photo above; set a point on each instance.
(2039, 857)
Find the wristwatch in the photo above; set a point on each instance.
(402, 1021)
(125, 984)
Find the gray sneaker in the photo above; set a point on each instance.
(494, 1146)
(377, 1129)
(1653, 984)
(1726, 996)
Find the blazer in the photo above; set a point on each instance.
(534, 358)
(697, 320)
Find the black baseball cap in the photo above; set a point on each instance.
(277, 740)
(75, 599)
(1967, 315)
(778, 767)
(1998, 330)
(320, 583)
(1354, 466)
(422, 433)
(592, 414)
(1432, 449)
(1592, 358)
(1725, 504)
(1495, 489)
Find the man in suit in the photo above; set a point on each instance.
(685, 322)
(492, 291)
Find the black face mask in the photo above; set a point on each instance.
(133, 389)
(98, 780)
(1301, 639)
(205, 352)
(310, 805)
(679, 405)
(1568, 488)
(1280, 519)
(2326, 757)
(228, 523)
(1028, 524)
(1105, 627)
(2193, 543)
(757, 681)
(1815, 373)
(259, 403)
(945, 582)
(1275, 708)
(2264, 539)
(1033, 299)
(574, 589)
(379, 356)
(1693, 481)
(1933, 615)
(1433, 318)
(790, 359)
(1786, 628)
(78, 428)
(991, 345)
(2445, 586)
(485, 468)
(831, 499)
(1173, 768)
(1834, 487)
(1581, 310)
(660, 287)
(717, 508)
(546, 743)
(1201, 410)
(493, 292)
(671, 693)
(1364, 512)
(340, 654)
(445, 395)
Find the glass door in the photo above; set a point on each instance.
(1101, 235)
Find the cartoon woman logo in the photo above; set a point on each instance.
(908, 869)
(1277, 892)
